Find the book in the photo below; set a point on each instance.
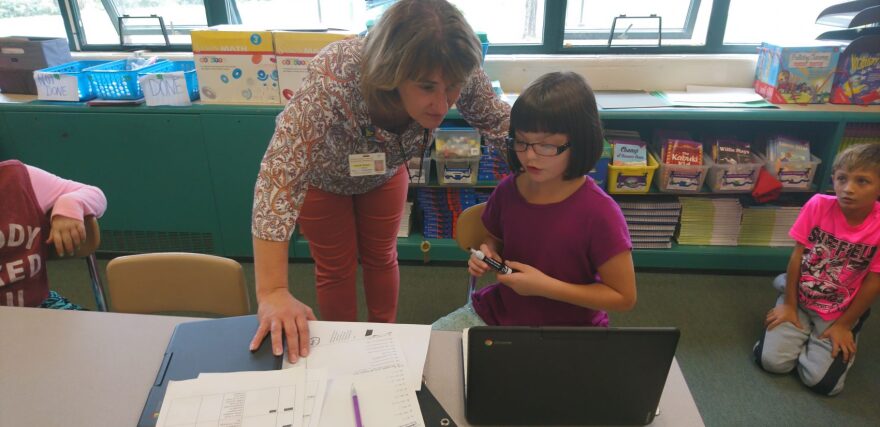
(731, 152)
(682, 152)
(629, 152)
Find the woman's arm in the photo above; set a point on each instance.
(484, 110)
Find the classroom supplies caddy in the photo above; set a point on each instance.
(214, 150)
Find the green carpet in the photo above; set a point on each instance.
(720, 317)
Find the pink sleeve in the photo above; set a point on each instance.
(805, 221)
(65, 197)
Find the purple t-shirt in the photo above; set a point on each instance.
(567, 240)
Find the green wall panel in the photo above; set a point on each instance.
(235, 145)
(152, 168)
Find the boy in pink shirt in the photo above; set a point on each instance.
(831, 280)
(26, 231)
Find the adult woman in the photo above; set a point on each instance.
(335, 161)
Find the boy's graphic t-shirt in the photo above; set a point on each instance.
(567, 240)
(837, 256)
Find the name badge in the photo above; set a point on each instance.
(366, 164)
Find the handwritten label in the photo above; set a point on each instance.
(165, 89)
(56, 87)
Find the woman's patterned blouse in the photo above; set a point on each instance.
(326, 121)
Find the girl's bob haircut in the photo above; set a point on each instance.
(560, 102)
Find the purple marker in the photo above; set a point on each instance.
(357, 408)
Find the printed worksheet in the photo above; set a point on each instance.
(254, 399)
(413, 340)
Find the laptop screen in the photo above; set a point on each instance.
(565, 375)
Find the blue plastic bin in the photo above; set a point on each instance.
(189, 75)
(77, 69)
(114, 80)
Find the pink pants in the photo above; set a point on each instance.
(342, 228)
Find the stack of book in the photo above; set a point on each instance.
(710, 221)
(651, 220)
(767, 225)
(440, 208)
(405, 220)
(860, 133)
(493, 165)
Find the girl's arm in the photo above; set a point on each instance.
(70, 202)
(616, 291)
(65, 197)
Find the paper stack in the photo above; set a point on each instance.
(378, 365)
(651, 220)
(710, 221)
(768, 225)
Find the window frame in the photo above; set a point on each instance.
(219, 12)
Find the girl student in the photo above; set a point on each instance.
(564, 238)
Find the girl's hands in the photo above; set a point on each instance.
(478, 268)
(67, 234)
(525, 279)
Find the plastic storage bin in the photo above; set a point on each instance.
(793, 175)
(683, 178)
(457, 153)
(419, 168)
(55, 83)
(739, 178)
(114, 80)
(189, 75)
(631, 179)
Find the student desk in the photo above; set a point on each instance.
(94, 369)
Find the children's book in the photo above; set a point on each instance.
(629, 152)
(730, 152)
(682, 152)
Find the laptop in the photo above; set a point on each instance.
(221, 345)
(565, 375)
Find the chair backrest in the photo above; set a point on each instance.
(87, 247)
(176, 281)
(469, 229)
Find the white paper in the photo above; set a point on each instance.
(165, 89)
(56, 87)
(376, 366)
(697, 93)
(316, 391)
(254, 399)
(413, 339)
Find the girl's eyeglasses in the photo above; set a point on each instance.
(546, 150)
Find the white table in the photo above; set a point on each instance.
(95, 369)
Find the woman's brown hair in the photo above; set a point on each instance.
(413, 39)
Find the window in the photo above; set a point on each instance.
(304, 14)
(756, 21)
(33, 18)
(512, 26)
(100, 21)
(589, 22)
(506, 22)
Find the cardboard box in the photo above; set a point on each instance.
(21, 56)
(235, 65)
(796, 74)
(293, 52)
(857, 80)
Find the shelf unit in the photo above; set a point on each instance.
(182, 178)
